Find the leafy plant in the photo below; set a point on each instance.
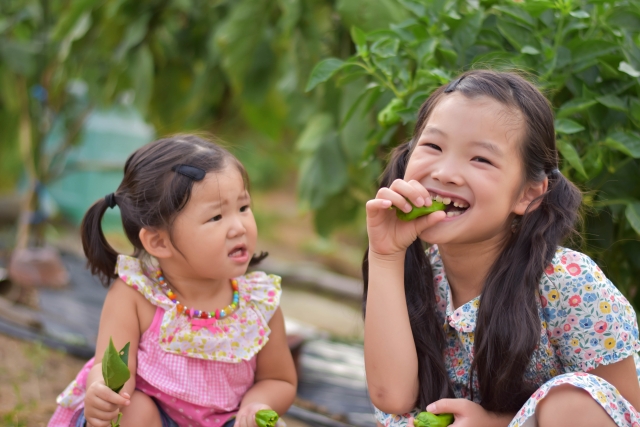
(585, 56)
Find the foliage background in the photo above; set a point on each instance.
(323, 89)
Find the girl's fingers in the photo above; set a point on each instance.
(430, 220)
(423, 192)
(411, 190)
(396, 198)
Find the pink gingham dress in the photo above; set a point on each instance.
(197, 373)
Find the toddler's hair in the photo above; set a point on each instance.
(151, 195)
(508, 325)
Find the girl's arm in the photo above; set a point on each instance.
(119, 321)
(389, 350)
(623, 376)
(275, 381)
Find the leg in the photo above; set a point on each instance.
(568, 406)
(141, 412)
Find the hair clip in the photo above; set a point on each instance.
(554, 172)
(111, 200)
(192, 172)
(452, 86)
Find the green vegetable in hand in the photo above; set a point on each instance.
(115, 370)
(421, 211)
(266, 418)
(427, 419)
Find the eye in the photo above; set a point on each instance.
(432, 146)
(216, 218)
(244, 208)
(482, 160)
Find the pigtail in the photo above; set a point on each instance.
(101, 257)
(502, 352)
(421, 301)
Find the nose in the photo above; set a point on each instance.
(236, 227)
(447, 173)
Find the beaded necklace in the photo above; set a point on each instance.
(200, 314)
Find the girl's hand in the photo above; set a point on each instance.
(387, 234)
(101, 404)
(247, 414)
(469, 414)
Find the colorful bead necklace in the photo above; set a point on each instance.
(198, 314)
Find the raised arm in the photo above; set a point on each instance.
(390, 354)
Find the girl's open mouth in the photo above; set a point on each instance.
(455, 207)
(239, 253)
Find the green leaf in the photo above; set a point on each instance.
(633, 215)
(570, 154)
(586, 50)
(323, 71)
(529, 50)
(360, 39)
(518, 14)
(567, 126)
(628, 68)
(386, 47)
(142, 76)
(517, 35)
(114, 366)
(581, 14)
(372, 88)
(613, 102)
(626, 142)
(576, 105)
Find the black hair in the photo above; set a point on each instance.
(508, 325)
(156, 186)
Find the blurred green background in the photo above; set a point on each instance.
(311, 95)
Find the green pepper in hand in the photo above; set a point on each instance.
(421, 211)
(115, 370)
(266, 418)
(427, 419)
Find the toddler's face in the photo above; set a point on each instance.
(469, 153)
(216, 232)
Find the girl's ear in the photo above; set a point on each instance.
(531, 192)
(156, 242)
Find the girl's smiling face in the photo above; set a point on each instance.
(216, 231)
(469, 153)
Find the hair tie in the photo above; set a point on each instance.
(111, 200)
(554, 172)
(192, 172)
(452, 86)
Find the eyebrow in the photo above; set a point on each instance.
(433, 129)
(489, 146)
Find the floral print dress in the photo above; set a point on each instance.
(585, 322)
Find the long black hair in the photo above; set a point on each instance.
(508, 325)
(151, 195)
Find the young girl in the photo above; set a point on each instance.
(208, 346)
(496, 323)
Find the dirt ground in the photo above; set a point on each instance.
(31, 376)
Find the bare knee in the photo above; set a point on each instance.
(566, 405)
(141, 411)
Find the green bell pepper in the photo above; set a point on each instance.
(421, 211)
(427, 419)
(266, 418)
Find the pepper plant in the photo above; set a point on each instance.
(583, 54)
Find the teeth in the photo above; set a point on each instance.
(446, 200)
(438, 198)
(455, 204)
(450, 214)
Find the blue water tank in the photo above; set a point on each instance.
(94, 167)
